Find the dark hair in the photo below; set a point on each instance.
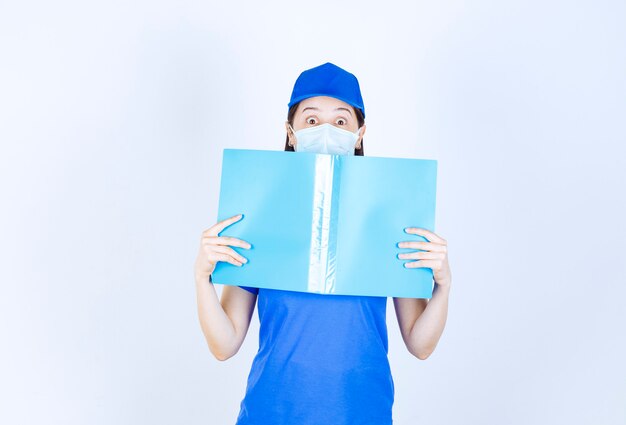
(292, 112)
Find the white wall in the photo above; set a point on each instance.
(113, 117)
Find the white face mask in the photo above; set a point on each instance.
(326, 138)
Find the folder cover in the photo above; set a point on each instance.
(326, 223)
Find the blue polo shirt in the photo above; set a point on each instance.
(322, 359)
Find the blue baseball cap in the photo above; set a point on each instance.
(328, 80)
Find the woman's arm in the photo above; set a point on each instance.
(224, 323)
(422, 321)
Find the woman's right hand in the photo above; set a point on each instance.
(214, 248)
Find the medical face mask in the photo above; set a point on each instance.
(326, 138)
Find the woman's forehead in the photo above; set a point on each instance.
(324, 103)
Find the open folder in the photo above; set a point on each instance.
(325, 223)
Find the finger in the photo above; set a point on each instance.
(421, 255)
(427, 246)
(431, 264)
(225, 240)
(218, 227)
(229, 251)
(215, 257)
(432, 237)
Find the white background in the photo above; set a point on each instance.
(113, 118)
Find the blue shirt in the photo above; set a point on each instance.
(322, 359)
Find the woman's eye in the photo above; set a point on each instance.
(311, 121)
(341, 121)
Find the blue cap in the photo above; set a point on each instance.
(328, 80)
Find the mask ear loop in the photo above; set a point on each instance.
(292, 132)
(357, 137)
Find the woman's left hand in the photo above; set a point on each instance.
(434, 255)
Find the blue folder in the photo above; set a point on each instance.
(325, 223)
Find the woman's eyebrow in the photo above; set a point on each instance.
(341, 108)
(344, 109)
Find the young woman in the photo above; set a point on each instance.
(322, 358)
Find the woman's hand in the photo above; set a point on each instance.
(214, 248)
(434, 255)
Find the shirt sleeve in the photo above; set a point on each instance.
(249, 289)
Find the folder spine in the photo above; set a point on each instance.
(322, 265)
